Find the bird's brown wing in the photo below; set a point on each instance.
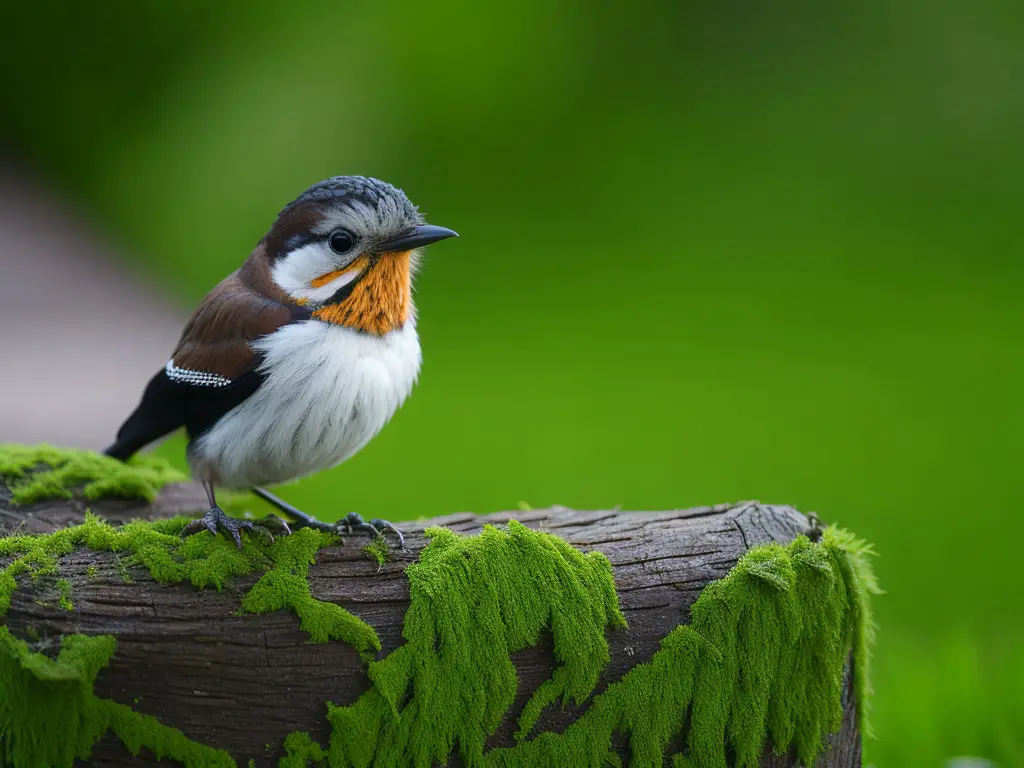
(213, 368)
(216, 338)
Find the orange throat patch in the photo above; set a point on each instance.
(381, 300)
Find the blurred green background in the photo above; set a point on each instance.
(710, 251)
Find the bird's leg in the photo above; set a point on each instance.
(352, 523)
(217, 520)
(302, 520)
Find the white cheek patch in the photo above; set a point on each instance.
(296, 271)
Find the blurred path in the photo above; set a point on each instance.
(80, 331)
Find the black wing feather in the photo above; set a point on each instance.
(168, 405)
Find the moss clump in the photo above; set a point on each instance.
(763, 658)
(378, 550)
(39, 472)
(852, 558)
(202, 560)
(64, 590)
(301, 751)
(474, 601)
(286, 585)
(56, 696)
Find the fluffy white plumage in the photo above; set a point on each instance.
(328, 390)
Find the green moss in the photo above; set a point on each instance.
(286, 585)
(301, 751)
(861, 584)
(64, 590)
(763, 658)
(474, 601)
(202, 560)
(39, 472)
(378, 550)
(51, 716)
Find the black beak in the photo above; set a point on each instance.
(422, 235)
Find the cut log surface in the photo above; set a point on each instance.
(243, 682)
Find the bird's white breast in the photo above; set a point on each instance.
(327, 391)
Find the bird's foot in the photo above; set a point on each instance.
(217, 520)
(354, 522)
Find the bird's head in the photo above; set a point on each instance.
(346, 248)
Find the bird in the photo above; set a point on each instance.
(297, 359)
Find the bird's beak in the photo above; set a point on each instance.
(422, 235)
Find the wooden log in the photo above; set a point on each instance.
(243, 682)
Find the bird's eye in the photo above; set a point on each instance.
(341, 241)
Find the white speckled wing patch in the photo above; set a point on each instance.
(195, 378)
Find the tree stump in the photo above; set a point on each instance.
(244, 682)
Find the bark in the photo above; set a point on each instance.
(240, 682)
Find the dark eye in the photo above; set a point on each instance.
(341, 241)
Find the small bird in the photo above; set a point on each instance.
(295, 361)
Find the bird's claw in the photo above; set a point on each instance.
(353, 522)
(384, 525)
(273, 524)
(216, 521)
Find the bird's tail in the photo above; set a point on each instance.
(122, 450)
(161, 411)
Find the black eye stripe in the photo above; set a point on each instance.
(302, 239)
(345, 291)
(294, 242)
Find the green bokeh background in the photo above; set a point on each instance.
(710, 251)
